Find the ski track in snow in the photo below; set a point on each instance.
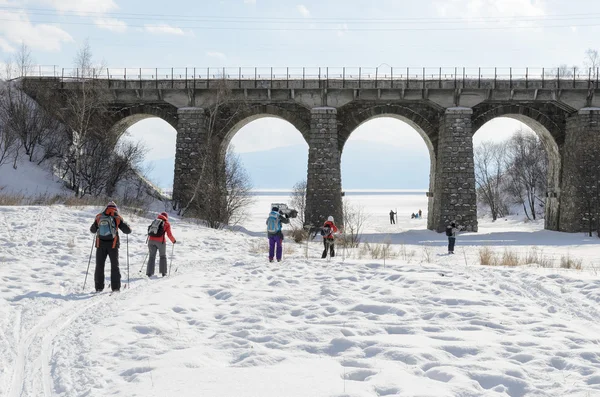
(228, 323)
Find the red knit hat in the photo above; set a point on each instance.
(165, 215)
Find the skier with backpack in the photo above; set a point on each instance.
(451, 231)
(327, 231)
(157, 242)
(106, 227)
(275, 234)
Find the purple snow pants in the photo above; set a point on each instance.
(276, 239)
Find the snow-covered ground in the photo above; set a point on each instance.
(228, 323)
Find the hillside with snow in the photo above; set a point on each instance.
(228, 323)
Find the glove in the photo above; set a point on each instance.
(174, 241)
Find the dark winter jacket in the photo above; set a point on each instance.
(121, 224)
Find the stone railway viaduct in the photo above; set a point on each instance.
(445, 112)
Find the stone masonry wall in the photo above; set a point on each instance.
(324, 181)
(581, 171)
(191, 134)
(454, 195)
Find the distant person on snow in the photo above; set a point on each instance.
(392, 218)
(275, 234)
(106, 227)
(451, 231)
(327, 231)
(157, 242)
(420, 214)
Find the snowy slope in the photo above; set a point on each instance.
(227, 323)
(29, 179)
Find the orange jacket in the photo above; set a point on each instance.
(168, 233)
(334, 229)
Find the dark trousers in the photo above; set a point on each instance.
(392, 220)
(328, 244)
(115, 274)
(451, 242)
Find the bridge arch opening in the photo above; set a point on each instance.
(274, 154)
(503, 130)
(388, 163)
(158, 138)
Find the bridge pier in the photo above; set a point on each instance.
(454, 193)
(191, 135)
(324, 180)
(580, 192)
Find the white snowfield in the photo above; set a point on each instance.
(228, 323)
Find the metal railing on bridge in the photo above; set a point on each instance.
(429, 74)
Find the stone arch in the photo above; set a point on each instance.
(294, 114)
(423, 118)
(124, 117)
(548, 121)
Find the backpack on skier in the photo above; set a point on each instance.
(449, 231)
(156, 228)
(107, 227)
(325, 231)
(273, 223)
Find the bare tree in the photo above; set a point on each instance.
(298, 201)
(239, 188)
(127, 161)
(562, 70)
(592, 61)
(9, 143)
(490, 166)
(527, 172)
(83, 112)
(354, 221)
(19, 113)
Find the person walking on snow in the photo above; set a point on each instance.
(327, 231)
(106, 227)
(157, 242)
(392, 219)
(275, 234)
(451, 231)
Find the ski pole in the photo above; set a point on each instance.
(171, 261)
(89, 261)
(127, 241)
(147, 252)
(143, 263)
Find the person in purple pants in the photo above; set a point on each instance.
(275, 234)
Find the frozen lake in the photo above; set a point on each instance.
(375, 204)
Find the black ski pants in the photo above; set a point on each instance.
(328, 244)
(451, 242)
(115, 274)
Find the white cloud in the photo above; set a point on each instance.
(216, 54)
(5, 46)
(83, 7)
(253, 2)
(16, 29)
(164, 28)
(114, 25)
(303, 10)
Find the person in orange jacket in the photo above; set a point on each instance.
(327, 232)
(157, 242)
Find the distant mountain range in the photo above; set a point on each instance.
(367, 165)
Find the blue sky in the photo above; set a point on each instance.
(335, 33)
